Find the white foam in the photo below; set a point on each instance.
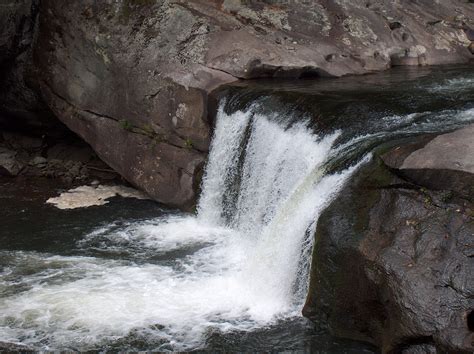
(86, 196)
(456, 85)
(246, 270)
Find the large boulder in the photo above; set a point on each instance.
(126, 77)
(444, 162)
(133, 77)
(393, 261)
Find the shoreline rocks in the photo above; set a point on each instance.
(134, 78)
(393, 259)
(444, 162)
(68, 160)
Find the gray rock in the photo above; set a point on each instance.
(441, 162)
(38, 161)
(9, 164)
(392, 264)
(148, 69)
(420, 349)
(144, 80)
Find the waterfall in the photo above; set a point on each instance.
(242, 263)
(280, 153)
(267, 182)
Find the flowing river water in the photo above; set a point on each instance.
(134, 275)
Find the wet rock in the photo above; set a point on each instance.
(38, 161)
(8, 347)
(146, 73)
(441, 162)
(412, 56)
(9, 163)
(395, 273)
(392, 264)
(405, 60)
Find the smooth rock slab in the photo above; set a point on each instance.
(452, 151)
(438, 162)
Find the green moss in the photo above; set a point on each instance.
(148, 130)
(156, 140)
(426, 197)
(188, 144)
(126, 125)
(447, 197)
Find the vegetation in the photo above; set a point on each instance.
(188, 144)
(126, 125)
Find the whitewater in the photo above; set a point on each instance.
(240, 264)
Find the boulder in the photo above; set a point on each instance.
(144, 70)
(441, 162)
(120, 85)
(10, 165)
(392, 263)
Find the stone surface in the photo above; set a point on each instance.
(133, 77)
(9, 163)
(441, 162)
(69, 160)
(392, 264)
(139, 72)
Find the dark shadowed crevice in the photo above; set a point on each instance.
(470, 320)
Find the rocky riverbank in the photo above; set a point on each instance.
(133, 78)
(71, 162)
(137, 81)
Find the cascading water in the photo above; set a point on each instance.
(241, 264)
(243, 261)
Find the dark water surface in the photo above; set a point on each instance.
(136, 249)
(31, 225)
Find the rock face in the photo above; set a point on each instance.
(21, 106)
(133, 77)
(443, 163)
(121, 86)
(393, 260)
